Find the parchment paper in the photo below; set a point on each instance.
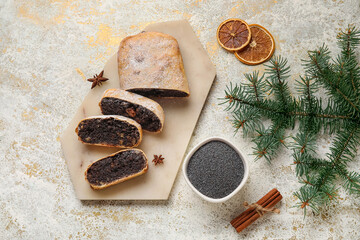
(181, 115)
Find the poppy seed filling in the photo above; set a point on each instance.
(146, 118)
(109, 131)
(115, 167)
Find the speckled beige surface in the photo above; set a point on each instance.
(44, 44)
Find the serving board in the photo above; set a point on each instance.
(181, 115)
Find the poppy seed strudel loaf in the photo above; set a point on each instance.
(116, 168)
(148, 113)
(150, 64)
(109, 131)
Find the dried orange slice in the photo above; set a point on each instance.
(260, 49)
(233, 34)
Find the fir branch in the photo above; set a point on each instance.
(277, 72)
(268, 141)
(320, 68)
(304, 141)
(236, 98)
(235, 101)
(257, 86)
(351, 180)
(341, 115)
(306, 164)
(248, 120)
(352, 183)
(348, 40)
(342, 151)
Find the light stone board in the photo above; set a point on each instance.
(181, 115)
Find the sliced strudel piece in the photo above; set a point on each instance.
(148, 113)
(116, 168)
(109, 131)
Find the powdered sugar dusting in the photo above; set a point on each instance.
(151, 60)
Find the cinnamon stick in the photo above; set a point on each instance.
(251, 211)
(260, 202)
(251, 215)
(256, 215)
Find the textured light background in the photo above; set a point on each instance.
(49, 48)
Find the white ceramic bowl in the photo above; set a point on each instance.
(242, 183)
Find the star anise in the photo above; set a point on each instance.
(97, 79)
(158, 159)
